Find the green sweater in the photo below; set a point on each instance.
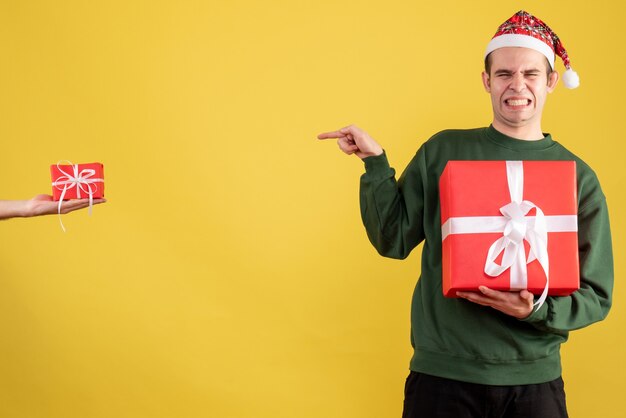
(455, 338)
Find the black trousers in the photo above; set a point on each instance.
(428, 396)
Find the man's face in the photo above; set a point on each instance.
(518, 85)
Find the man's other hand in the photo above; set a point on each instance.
(517, 304)
(353, 140)
(44, 205)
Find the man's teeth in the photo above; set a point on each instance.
(523, 102)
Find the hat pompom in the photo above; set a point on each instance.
(570, 79)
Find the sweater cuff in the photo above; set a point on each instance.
(537, 315)
(376, 163)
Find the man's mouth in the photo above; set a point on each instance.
(517, 102)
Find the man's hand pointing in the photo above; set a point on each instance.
(353, 140)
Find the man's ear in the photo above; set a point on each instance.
(553, 79)
(486, 82)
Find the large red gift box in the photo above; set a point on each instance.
(509, 225)
(77, 181)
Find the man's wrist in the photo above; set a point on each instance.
(373, 153)
(21, 209)
(14, 209)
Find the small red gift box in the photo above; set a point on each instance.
(77, 181)
(509, 225)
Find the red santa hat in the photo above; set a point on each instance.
(525, 30)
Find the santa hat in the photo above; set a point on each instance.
(525, 30)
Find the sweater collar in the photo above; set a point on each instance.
(518, 144)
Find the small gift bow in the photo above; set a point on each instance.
(82, 180)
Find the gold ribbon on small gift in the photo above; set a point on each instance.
(82, 180)
(516, 227)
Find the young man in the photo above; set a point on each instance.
(487, 353)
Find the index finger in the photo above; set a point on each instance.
(331, 135)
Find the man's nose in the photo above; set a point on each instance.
(517, 83)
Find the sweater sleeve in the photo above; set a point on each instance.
(392, 211)
(591, 303)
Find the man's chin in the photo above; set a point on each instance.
(517, 119)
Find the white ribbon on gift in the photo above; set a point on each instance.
(83, 182)
(516, 227)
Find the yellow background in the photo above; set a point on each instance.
(229, 274)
